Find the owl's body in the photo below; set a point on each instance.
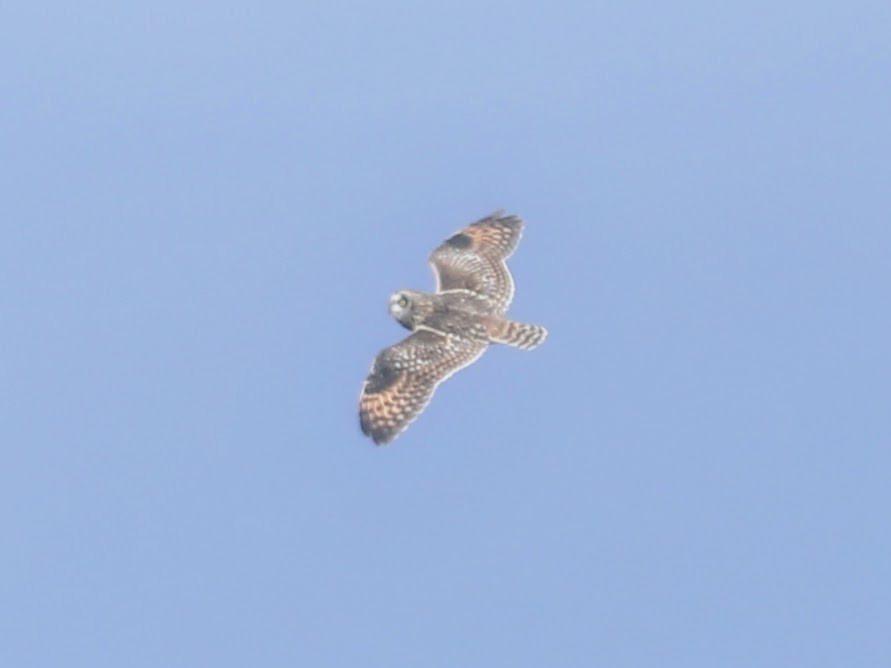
(451, 328)
(457, 312)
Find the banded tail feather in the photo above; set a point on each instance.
(518, 334)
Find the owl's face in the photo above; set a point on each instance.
(403, 307)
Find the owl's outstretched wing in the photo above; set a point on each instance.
(474, 259)
(404, 376)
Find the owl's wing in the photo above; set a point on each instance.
(403, 378)
(474, 258)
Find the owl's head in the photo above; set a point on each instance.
(403, 307)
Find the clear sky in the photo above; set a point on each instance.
(205, 207)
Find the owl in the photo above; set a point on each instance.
(450, 328)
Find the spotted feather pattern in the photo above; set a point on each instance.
(404, 377)
(474, 259)
(450, 329)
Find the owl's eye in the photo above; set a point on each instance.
(402, 301)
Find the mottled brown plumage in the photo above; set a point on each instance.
(451, 328)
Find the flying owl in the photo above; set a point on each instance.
(450, 329)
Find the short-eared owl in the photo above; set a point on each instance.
(450, 329)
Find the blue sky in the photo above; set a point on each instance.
(205, 207)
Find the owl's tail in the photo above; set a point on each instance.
(518, 334)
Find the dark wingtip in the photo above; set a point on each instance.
(366, 430)
(379, 436)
